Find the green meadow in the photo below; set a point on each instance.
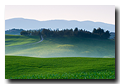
(62, 47)
(13, 40)
(20, 67)
(71, 58)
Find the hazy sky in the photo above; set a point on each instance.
(96, 13)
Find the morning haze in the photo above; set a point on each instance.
(82, 49)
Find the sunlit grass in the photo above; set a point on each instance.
(80, 75)
(65, 45)
(17, 67)
(12, 40)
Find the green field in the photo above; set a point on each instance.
(72, 58)
(66, 46)
(17, 67)
(13, 40)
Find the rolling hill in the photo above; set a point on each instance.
(27, 24)
(71, 58)
(59, 47)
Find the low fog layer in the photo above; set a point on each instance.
(67, 45)
(45, 50)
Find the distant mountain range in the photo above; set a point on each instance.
(27, 24)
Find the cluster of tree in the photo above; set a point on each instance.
(96, 33)
(31, 32)
(99, 33)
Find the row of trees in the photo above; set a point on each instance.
(31, 32)
(96, 33)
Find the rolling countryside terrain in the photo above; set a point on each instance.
(59, 58)
(64, 46)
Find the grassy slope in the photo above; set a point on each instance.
(17, 67)
(74, 46)
(67, 46)
(12, 40)
(59, 68)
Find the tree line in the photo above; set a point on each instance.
(96, 33)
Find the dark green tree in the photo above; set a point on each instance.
(24, 33)
(94, 31)
(76, 31)
(106, 35)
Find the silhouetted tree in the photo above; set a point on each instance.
(106, 35)
(24, 33)
(76, 31)
(96, 33)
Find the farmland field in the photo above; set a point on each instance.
(19, 67)
(72, 58)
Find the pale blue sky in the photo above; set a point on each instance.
(96, 13)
